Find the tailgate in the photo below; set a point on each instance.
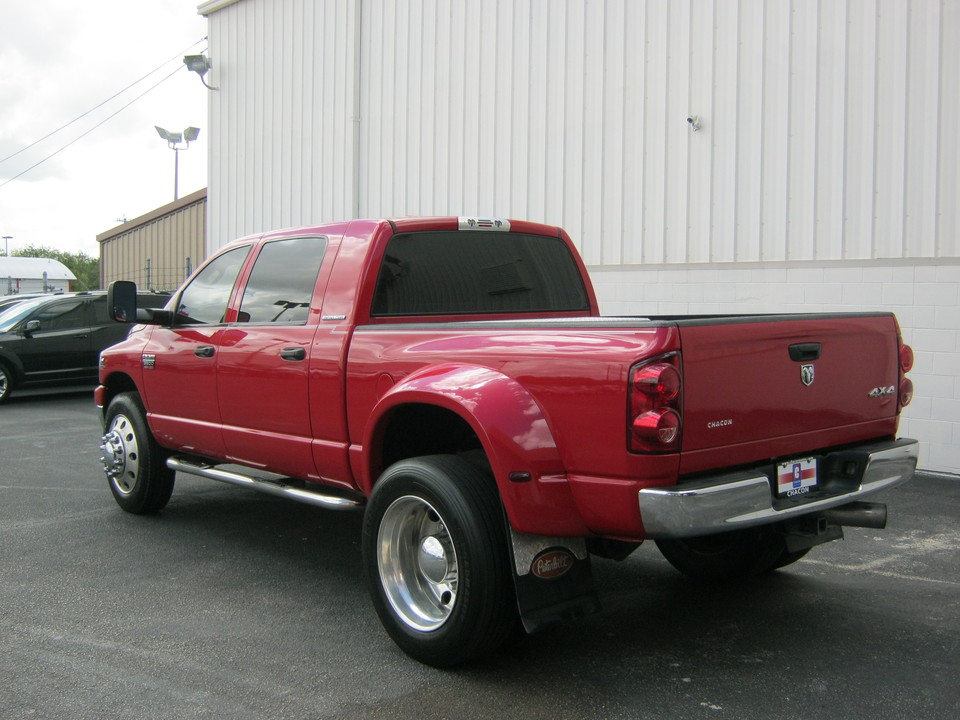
(764, 386)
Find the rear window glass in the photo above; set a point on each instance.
(459, 273)
(281, 284)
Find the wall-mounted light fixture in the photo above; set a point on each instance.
(200, 64)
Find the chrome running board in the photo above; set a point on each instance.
(271, 486)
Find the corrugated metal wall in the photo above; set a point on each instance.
(827, 128)
(283, 145)
(825, 173)
(156, 250)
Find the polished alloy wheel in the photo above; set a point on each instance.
(418, 563)
(120, 455)
(6, 383)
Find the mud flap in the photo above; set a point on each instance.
(553, 580)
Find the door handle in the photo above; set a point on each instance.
(805, 352)
(204, 351)
(293, 353)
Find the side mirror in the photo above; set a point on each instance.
(122, 301)
(31, 327)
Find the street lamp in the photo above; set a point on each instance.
(174, 141)
(6, 245)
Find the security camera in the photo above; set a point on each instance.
(694, 121)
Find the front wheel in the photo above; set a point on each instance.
(6, 383)
(137, 474)
(435, 551)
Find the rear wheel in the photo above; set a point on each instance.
(137, 474)
(437, 561)
(726, 556)
(789, 558)
(6, 383)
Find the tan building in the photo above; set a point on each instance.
(157, 250)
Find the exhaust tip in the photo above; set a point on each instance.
(859, 514)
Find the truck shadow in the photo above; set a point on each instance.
(660, 638)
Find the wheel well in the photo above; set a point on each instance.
(116, 384)
(13, 371)
(416, 430)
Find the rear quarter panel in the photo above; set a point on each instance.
(576, 375)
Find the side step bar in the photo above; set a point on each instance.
(271, 487)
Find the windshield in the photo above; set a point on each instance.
(12, 315)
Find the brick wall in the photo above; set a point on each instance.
(925, 295)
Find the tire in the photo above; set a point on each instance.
(789, 558)
(437, 561)
(136, 469)
(733, 555)
(6, 383)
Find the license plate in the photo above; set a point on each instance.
(797, 477)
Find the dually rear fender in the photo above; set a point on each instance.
(511, 428)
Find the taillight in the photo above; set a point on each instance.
(655, 403)
(906, 384)
(906, 358)
(906, 392)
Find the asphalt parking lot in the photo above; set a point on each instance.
(231, 604)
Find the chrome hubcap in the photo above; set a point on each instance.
(417, 563)
(120, 455)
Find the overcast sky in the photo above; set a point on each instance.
(58, 60)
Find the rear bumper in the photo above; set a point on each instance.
(744, 499)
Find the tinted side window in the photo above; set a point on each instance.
(100, 314)
(281, 284)
(204, 300)
(442, 273)
(64, 315)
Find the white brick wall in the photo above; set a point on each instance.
(925, 295)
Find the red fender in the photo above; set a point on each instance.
(513, 430)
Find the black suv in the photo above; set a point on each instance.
(58, 338)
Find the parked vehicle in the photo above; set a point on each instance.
(57, 339)
(454, 378)
(10, 300)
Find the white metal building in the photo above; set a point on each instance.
(707, 155)
(34, 275)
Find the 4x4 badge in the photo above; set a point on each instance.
(806, 374)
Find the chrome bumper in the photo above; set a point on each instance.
(744, 499)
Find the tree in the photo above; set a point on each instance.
(86, 268)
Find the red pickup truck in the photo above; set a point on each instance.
(453, 378)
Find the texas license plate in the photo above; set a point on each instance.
(797, 477)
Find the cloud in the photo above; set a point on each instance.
(60, 58)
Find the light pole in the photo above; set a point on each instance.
(174, 141)
(6, 245)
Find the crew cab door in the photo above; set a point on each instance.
(180, 362)
(264, 358)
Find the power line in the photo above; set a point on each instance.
(95, 107)
(80, 137)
